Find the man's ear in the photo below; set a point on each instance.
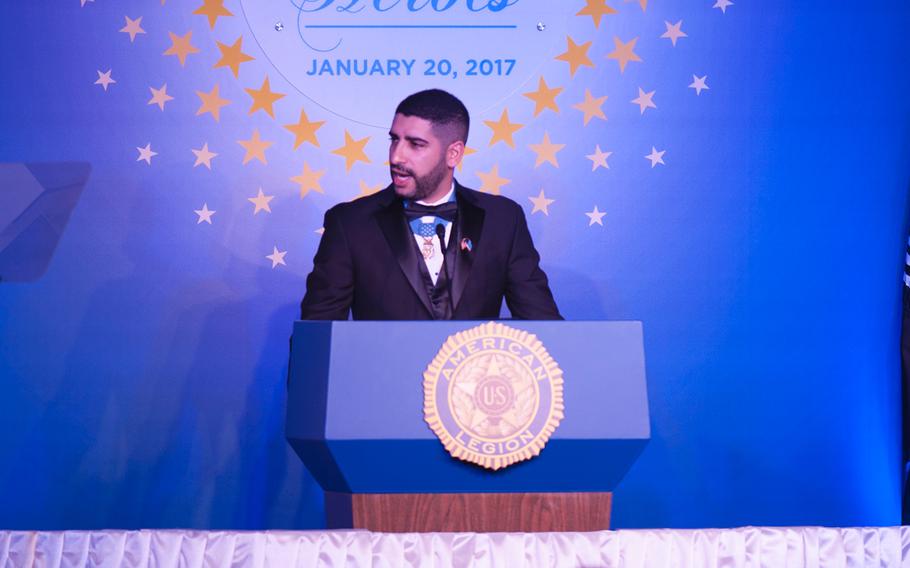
(454, 153)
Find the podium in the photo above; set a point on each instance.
(355, 416)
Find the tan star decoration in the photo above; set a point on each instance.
(352, 151)
(491, 182)
(624, 52)
(596, 216)
(309, 180)
(366, 190)
(544, 97)
(277, 257)
(591, 107)
(181, 46)
(203, 156)
(232, 56)
(205, 214)
(656, 157)
(160, 96)
(599, 159)
(104, 79)
(212, 9)
(541, 204)
(467, 152)
(503, 130)
(212, 103)
(644, 100)
(305, 130)
(146, 154)
(546, 151)
(133, 27)
(596, 9)
(699, 84)
(261, 201)
(576, 56)
(255, 148)
(674, 32)
(264, 98)
(642, 3)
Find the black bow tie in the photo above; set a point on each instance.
(446, 211)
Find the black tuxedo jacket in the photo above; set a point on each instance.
(367, 262)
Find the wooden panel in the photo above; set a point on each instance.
(473, 512)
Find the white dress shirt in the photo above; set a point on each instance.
(434, 263)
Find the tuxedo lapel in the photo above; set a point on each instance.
(401, 241)
(469, 224)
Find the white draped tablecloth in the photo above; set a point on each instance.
(748, 547)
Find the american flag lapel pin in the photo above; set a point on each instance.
(467, 245)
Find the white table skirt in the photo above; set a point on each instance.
(752, 547)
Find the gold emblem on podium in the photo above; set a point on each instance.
(493, 395)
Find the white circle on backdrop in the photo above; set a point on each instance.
(359, 58)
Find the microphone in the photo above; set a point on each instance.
(441, 233)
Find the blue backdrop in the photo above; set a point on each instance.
(142, 377)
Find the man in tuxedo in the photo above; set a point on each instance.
(427, 247)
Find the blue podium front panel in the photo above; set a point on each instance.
(356, 408)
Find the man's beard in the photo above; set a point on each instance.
(425, 185)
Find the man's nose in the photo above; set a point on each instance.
(395, 154)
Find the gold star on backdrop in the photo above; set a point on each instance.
(255, 148)
(503, 130)
(146, 154)
(160, 96)
(644, 100)
(656, 157)
(203, 156)
(595, 216)
(308, 180)
(277, 257)
(352, 151)
(467, 152)
(181, 46)
(213, 9)
(624, 53)
(305, 130)
(491, 182)
(544, 97)
(366, 190)
(546, 151)
(541, 204)
(105, 79)
(212, 103)
(204, 214)
(133, 27)
(591, 107)
(576, 56)
(642, 3)
(599, 159)
(722, 5)
(596, 9)
(264, 98)
(261, 201)
(699, 84)
(232, 56)
(674, 32)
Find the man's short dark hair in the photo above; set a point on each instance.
(441, 108)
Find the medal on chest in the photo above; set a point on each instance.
(427, 248)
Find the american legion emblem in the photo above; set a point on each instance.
(493, 395)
